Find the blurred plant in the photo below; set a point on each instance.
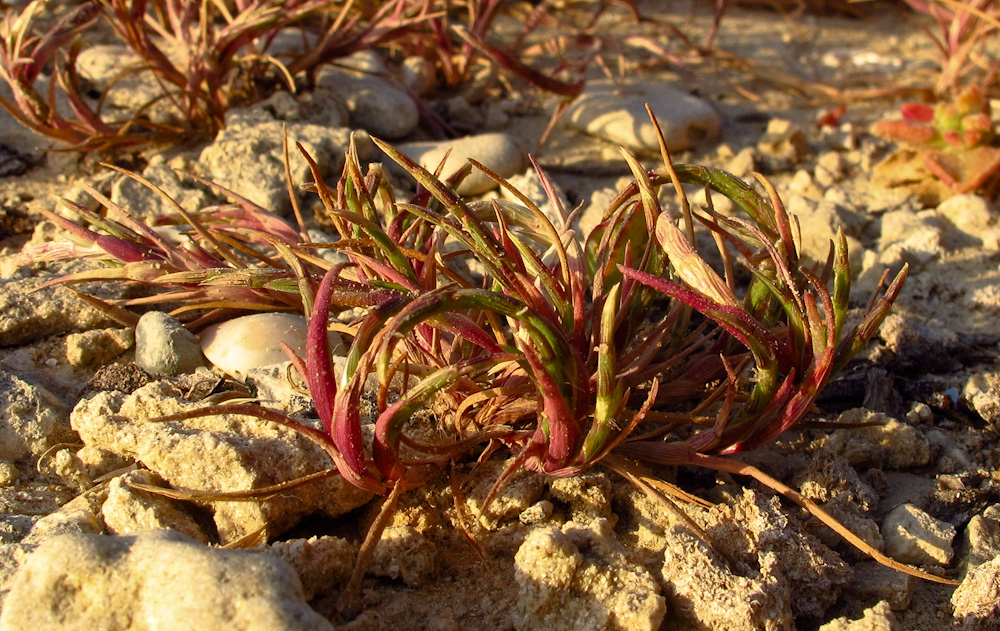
(966, 27)
(565, 352)
(956, 140)
(206, 57)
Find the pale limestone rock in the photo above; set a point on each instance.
(31, 420)
(323, 563)
(758, 532)
(877, 618)
(703, 594)
(375, 104)
(891, 444)
(588, 495)
(404, 553)
(98, 346)
(217, 453)
(499, 152)
(128, 511)
(616, 111)
(913, 536)
(977, 599)
(157, 580)
(578, 578)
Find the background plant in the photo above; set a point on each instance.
(205, 57)
(956, 140)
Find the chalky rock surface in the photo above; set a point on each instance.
(128, 510)
(31, 420)
(497, 151)
(578, 578)
(27, 315)
(153, 581)
(977, 599)
(703, 594)
(877, 618)
(375, 104)
(779, 571)
(218, 453)
(247, 155)
(913, 536)
(617, 113)
(243, 344)
(164, 347)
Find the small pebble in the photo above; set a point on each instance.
(164, 347)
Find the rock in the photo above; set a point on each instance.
(819, 222)
(977, 599)
(982, 536)
(530, 185)
(981, 391)
(783, 145)
(498, 152)
(877, 618)
(247, 156)
(128, 511)
(578, 578)
(156, 580)
(830, 169)
(218, 453)
(279, 387)
(588, 495)
(68, 520)
(892, 444)
(417, 74)
(375, 104)
(876, 582)
(830, 476)
(536, 513)
(912, 536)
(242, 344)
(518, 493)
(322, 563)
(98, 346)
(112, 68)
(404, 553)
(703, 593)
(970, 214)
(617, 113)
(164, 347)
(140, 201)
(919, 236)
(27, 315)
(31, 420)
(759, 533)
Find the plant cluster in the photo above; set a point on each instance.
(571, 353)
(955, 140)
(206, 55)
(965, 27)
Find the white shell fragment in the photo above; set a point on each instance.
(239, 345)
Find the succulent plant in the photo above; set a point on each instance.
(627, 346)
(955, 139)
